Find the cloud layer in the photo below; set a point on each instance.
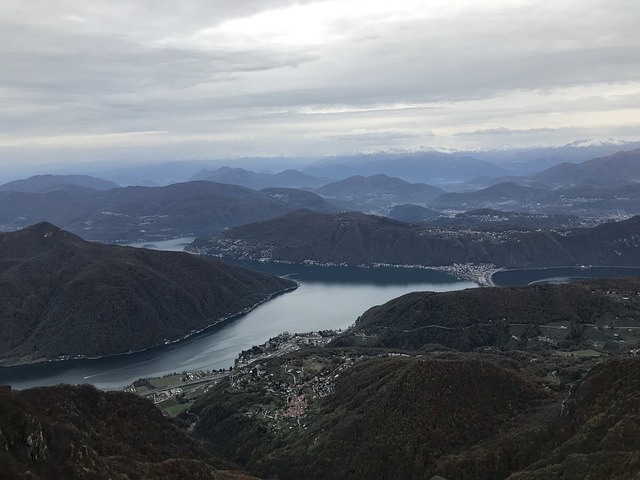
(315, 77)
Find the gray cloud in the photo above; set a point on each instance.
(240, 78)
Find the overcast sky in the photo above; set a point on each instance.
(231, 78)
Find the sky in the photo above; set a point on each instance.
(141, 80)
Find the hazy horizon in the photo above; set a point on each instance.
(87, 82)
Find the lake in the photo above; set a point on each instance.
(328, 298)
(528, 276)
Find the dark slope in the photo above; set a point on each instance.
(387, 418)
(597, 434)
(355, 238)
(79, 433)
(181, 208)
(62, 296)
(147, 213)
(19, 209)
(475, 318)
(44, 183)
(299, 199)
(412, 213)
(611, 171)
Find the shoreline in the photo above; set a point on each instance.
(192, 333)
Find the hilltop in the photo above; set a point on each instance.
(64, 297)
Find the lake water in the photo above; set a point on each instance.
(328, 298)
(528, 276)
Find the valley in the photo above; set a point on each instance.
(407, 369)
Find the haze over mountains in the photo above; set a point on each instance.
(487, 383)
(599, 188)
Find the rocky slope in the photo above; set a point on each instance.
(81, 433)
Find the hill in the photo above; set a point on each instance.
(64, 297)
(412, 213)
(44, 183)
(258, 181)
(148, 213)
(615, 170)
(354, 238)
(469, 319)
(378, 191)
(79, 432)
(433, 168)
(383, 418)
(505, 196)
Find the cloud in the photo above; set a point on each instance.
(309, 77)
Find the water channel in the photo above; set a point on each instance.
(328, 298)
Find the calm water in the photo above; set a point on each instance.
(560, 274)
(328, 298)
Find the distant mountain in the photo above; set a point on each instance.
(258, 181)
(150, 213)
(497, 219)
(354, 238)
(80, 432)
(299, 199)
(503, 196)
(47, 183)
(433, 168)
(413, 213)
(616, 170)
(378, 191)
(62, 296)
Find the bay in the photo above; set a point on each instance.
(327, 298)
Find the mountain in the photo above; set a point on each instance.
(150, 213)
(64, 297)
(474, 318)
(45, 183)
(498, 219)
(433, 168)
(367, 418)
(505, 196)
(80, 432)
(298, 199)
(378, 191)
(258, 181)
(413, 213)
(616, 170)
(355, 238)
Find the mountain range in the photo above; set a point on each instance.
(354, 238)
(150, 213)
(61, 296)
